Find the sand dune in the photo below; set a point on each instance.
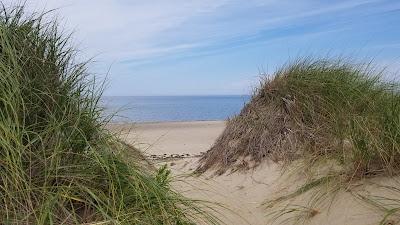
(241, 194)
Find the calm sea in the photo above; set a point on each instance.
(173, 108)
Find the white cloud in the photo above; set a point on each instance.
(121, 30)
(138, 29)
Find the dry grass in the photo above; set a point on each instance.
(333, 122)
(318, 111)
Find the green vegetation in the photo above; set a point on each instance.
(334, 122)
(58, 164)
(318, 111)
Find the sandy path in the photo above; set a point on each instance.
(243, 194)
(171, 137)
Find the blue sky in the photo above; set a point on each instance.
(207, 47)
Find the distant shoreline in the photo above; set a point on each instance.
(164, 122)
(172, 109)
(168, 125)
(172, 96)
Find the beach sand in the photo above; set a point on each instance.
(180, 145)
(171, 137)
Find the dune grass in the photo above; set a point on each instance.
(58, 164)
(317, 110)
(332, 121)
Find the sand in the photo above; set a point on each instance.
(242, 196)
(171, 137)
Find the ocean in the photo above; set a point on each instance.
(172, 108)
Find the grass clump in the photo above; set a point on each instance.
(333, 122)
(58, 164)
(321, 111)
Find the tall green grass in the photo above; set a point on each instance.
(317, 110)
(333, 122)
(342, 112)
(58, 164)
(346, 120)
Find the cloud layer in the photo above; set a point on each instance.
(127, 33)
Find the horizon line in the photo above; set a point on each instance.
(178, 95)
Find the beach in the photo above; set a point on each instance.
(238, 197)
(239, 192)
(170, 137)
(199, 112)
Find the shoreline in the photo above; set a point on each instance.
(161, 122)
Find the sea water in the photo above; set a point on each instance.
(172, 108)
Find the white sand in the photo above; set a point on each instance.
(243, 194)
(171, 137)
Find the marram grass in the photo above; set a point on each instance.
(322, 111)
(331, 121)
(58, 165)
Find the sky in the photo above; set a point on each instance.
(219, 47)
